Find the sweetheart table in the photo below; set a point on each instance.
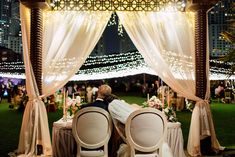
(64, 144)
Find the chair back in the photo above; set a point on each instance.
(145, 130)
(92, 127)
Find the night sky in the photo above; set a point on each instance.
(112, 39)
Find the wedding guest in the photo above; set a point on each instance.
(17, 100)
(70, 90)
(51, 107)
(89, 94)
(75, 91)
(94, 93)
(103, 91)
(2, 89)
(9, 87)
(219, 92)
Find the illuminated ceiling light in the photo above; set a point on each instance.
(117, 5)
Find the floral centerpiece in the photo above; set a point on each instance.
(155, 102)
(72, 105)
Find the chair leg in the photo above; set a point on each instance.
(78, 151)
(105, 150)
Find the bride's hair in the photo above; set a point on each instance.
(109, 98)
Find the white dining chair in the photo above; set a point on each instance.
(145, 131)
(92, 128)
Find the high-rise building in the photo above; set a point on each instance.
(10, 32)
(218, 19)
(14, 37)
(5, 14)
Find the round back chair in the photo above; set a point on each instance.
(92, 128)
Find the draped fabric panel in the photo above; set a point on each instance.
(166, 42)
(34, 128)
(69, 37)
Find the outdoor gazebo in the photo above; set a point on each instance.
(52, 30)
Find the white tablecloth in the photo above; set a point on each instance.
(175, 139)
(63, 143)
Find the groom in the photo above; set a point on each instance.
(103, 91)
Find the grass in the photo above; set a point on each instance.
(223, 116)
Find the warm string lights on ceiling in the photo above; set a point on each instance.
(12, 66)
(114, 68)
(178, 62)
(114, 58)
(115, 65)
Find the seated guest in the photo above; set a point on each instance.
(51, 104)
(103, 91)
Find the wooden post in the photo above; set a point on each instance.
(201, 51)
(36, 36)
(36, 45)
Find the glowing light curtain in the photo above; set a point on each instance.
(69, 37)
(166, 42)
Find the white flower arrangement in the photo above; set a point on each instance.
(155, 102)
(189, 105)
(170, 114)
(72, 105)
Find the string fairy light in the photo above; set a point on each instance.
(119, 65)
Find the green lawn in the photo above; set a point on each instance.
(223, 114)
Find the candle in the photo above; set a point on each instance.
(147, 97)
(73, 95)
(168, 97)
(64, 104)
(163, 91)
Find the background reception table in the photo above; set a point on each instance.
(64, 144)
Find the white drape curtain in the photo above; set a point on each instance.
(69, 37)
(34, 128)
(166, 42)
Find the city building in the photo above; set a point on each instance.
(5, 13)
(14, 38)
(218, 20)
(10, 32)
